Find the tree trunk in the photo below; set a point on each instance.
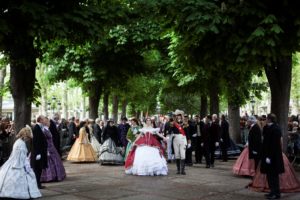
(2, 77)
(203, 106)
(138, 114)
(115, 108)
(124, 108)
(214, 100)
(22, 79)
(105, 105)
(279, 77)
(83, 110)
(44, 101)
(234, 122)
(94, 100)
(65, 102)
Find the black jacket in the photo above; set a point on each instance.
(225, 143)
(55, 136)
(39, 147)
(97, 132)
(271, 148)
(254, 141)
(111, 132)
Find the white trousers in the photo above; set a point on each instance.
(179, 145)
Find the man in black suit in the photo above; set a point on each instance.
(211, 137)
(72, 130)
(97, 130)
(54, 131)
(39, 153)
(224, 139)
(271, 158)
(254, 140)
(197, 138)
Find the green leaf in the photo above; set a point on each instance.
(276, 29)
(259, 31)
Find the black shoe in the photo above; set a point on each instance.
(183, 173)
(212, 165)
(207, 166)
(274, 197)
(169, 161)
(178, 172)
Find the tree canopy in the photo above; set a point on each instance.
(149, 54)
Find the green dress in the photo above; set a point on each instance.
(131, 135)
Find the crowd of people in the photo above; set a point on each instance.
(145, 147)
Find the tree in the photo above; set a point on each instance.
(241, 35)
(24, 25)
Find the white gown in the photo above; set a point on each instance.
(147, 160)
(95, 144)
(17, 179)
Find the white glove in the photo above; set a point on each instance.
(202, 144)
(268, 160)
(221, 140)
(217, 144)
(189, 146)
(254, 152)
(48, 153)
(38, 157)
(194, 135)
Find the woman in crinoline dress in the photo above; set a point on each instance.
(17, 179)
(111, 150)
(55, 170)
(247, 162)
(146, 157)
(82, 150)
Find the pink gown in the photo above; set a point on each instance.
(288, 180)
(243, 165)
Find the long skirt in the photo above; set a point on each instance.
(288, 181)
(243, 165)
(148, 162)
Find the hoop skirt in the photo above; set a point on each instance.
(17, 179)
(288, 181)
(55, 170)
(110, 153)
(82, 150)
(95, 144)
(243, 165)
(146, 156)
